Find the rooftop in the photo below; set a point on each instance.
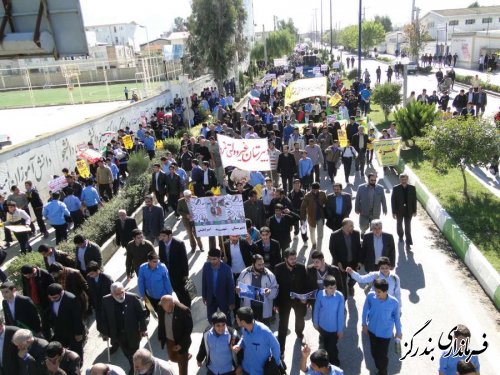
(179, 35)
(495, 9)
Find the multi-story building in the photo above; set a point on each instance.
(127, 34)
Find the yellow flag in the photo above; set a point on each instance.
(127, 141)
(335, 99)
(159, 145)
(83, 168)
(342, 134)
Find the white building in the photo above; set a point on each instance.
(126, 34)
(249, 28)
(442, 24)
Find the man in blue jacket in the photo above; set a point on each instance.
(258, 342)
(154, 281)
(56, 213)
(380, 315)
(217, 285)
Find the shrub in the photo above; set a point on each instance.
(424, 70)
(387, 95)
(137, 163)
(384, 59)
(173, 145)
(353, 74)
(14, 269)
(485, 85)
(411, 119)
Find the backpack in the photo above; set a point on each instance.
(232, 338)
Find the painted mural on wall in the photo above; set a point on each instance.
(40, 160)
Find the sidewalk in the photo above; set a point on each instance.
(493, 78)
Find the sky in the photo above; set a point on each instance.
(158, 15)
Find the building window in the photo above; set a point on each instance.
(116, 39)
(453, 23)
(487, 20)
(470, 22)
(114, 29)
(430, 25)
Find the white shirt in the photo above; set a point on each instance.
(237, 264)
(393, 281)
(51, 259)
(205, 177)
(81, 257)
(349, 152)
(55, 305)
(378, 245)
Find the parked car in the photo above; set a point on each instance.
(5, 140)
(412, 67)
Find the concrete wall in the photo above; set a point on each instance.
(38, 160)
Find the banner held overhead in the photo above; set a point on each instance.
(305, 88)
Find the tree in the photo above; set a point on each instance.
(411, 119)
(326, 37)
(387, 95)
(290, 26)
(216, 36)
(278, 43)
(475, 4)
(179, 24)
(372, 33)
(385, 21)
(416, 35)
(459, 142)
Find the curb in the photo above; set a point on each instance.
(484, 272)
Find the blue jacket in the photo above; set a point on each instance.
(328, 313)
(381, 316)
(90, 196)
(72, 203)
(55, 211)
(155, 282)
(149, 143)
(224, 292)
(258, 345)
(305, 167)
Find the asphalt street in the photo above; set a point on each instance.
(435, 284)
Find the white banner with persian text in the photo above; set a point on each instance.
(222, 215)
(305, 88)
(246, 154)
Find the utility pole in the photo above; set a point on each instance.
(321, 22)
(412, 11)
(315, 25)
(331, 31)
(359, 38)
(265, 42)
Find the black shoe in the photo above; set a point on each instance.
(193, 251)
(201, 250)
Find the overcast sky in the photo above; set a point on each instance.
(158, 15)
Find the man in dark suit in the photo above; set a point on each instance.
(18, 310)
(35, 284)
(291, 277)
(238, 256)
(8, 364)
(73, 282)
(209, 180)
(281, 224)
(99, 286)
(173, 188)
(181, 325)
(217, 292)
(338, 207)
(173, 254)
(61, 361)
(124, 226)
(404, 207)
(197, 178)
(318, 270)
(66, 319)
(269, 249)
(30, 352)
(158, 186)
(345, 247)
(152, 219)
(85, 252)
(132, 325)
(375, 245)
(359, 142)
(51, 255)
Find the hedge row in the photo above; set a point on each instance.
(485, 85)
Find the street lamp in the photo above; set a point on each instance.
(149, 48)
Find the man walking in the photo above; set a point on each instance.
(377, 244)
(123, 320)
(313, 209)
(153, 280)
(137, 253)
(338, 207)
(18, 310)
(404, 207)
(370, 201)
(152, 219)
(85, 252)
(159, 185)
(359, 142)
(184, 211)
(124, 226)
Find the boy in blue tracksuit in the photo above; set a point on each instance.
(305, 170)
(258, 342)
(380, 315)
(328, 317)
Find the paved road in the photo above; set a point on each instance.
(435, 285)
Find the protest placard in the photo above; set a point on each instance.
(387, 151)
(251, 292)
(305, 88)
(246, 154)
(57, 184)
(128, 142)
(83, 168)
(222, 215)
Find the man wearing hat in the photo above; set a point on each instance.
(65, 318)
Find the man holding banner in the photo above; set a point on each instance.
(261, 278)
